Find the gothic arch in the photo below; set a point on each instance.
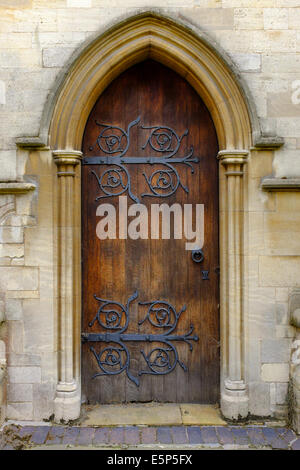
(190, 53)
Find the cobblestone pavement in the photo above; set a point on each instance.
(14, 437)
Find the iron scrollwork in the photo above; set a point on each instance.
(115, 358)
(164, 142)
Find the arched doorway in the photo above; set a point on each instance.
(150, 306)
(192, 55)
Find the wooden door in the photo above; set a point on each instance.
(150, 312)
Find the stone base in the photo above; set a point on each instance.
(67, 403)
(234, 404)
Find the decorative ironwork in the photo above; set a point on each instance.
(197, 256)
(205, 275)
(115, 358)
(115, 141)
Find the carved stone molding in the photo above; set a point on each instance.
(280, 184)
(16, 187)
(67, 401)
(234, 396)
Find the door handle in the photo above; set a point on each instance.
(197, 256)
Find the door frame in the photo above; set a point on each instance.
(192, 54)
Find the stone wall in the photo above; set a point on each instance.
(37, 37)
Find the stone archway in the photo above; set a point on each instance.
(191, 54)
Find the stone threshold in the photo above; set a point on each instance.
(152, 414)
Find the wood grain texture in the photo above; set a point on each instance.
(158, 269)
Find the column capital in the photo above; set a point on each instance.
(233, 157)
(67, 157)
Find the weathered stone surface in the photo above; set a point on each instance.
(56, 56)
(11, 234)
(13, 309)
(247, 62)
(259, 399)
(13, 278)
(20, 411)
(275, 372)
(271, 269)
(20, 392)
(24, 375)
(275, 350)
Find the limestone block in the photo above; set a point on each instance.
(2, 352)
(2, 92)
(23, 294)
(247, 62)
(275, 350)
(11, 234)
(262, 312)
(91, 19)
(24, 204)
(282, 294)
(38, 328)
(275, 372)
(13, 309)
(200, 3)
(79, 3)
(248, 18)
(43, 400)
(8, 165)
(281, 104)
(279, 271)
(56, 56)
(259, 399)
(274, 41)
(288, 127)
(24, 375)
(253, 347)
(282, 243)
(2, 314)
(280, 63)
(16, 3)
(294, 17)
(260, 200)
(276, 18)
(19, 392)
(287, 164)
(237, 41)
(284, 331)
(261, 163)
(210, 18)
(288, 202)
(24, 359)
(16, 40)
(19, 278)
(246, 3)
(256, 232)
(15, 58)
(281, 312)
(12, 250)
(39, 246)
(20, 411)
(64, 38)
(281, 393)
(288, 3)
(15, 336)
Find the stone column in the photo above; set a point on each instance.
(67, 401)
(234, 394)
